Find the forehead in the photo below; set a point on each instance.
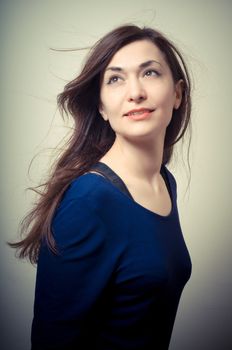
(135, 53)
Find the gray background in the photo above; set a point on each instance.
(32, 76)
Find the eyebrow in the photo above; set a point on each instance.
(142, 65)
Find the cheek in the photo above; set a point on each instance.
(165, 97)
(112, 103)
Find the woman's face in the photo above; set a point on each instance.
(138, 77)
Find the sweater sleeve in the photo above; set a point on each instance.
(69, 285)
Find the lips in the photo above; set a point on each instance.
(138, 111)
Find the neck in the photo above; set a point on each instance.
(139, 160)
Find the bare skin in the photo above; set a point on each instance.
(136, 155)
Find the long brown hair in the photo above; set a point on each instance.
(92, 136)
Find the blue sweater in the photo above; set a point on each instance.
(117, 280)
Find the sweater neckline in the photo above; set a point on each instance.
(116, 178)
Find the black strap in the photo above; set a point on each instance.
(110, 175)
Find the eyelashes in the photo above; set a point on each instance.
(111, 79)
(152, 71)
(149, 73)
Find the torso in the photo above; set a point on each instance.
(145, 195)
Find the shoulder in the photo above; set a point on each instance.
(82, 219)
(81, 206)
(87, 186)
(97, 192)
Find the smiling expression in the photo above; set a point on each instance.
(138, 80)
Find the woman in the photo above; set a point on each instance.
(105, 233)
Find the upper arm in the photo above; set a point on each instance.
(69, 284)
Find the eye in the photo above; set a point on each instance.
(113, 79)
(152, 72)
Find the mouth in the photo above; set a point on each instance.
(140, 114)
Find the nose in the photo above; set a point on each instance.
(136, 91)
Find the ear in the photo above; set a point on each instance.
(179, 87)
(102, 112)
